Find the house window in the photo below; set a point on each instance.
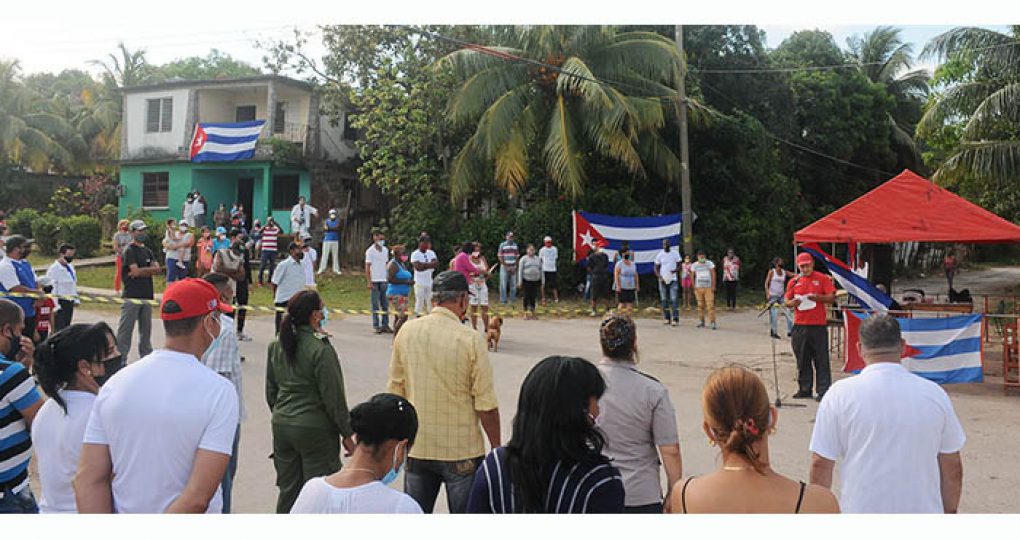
(278, 120)
(159, 115)
(285, 191)
(350, 133)
(156, 190)
(244, 113)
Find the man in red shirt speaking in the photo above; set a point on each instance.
(807, 294)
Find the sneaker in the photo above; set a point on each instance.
(714, 326)
(593, 313)
(676, 323)
(666, 322)
(773, 335)
(819, 397)
(377, 330)
(243, 337)
(701, 324)
(386, 330)
(802, 395)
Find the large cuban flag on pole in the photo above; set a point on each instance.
(644, 235)
(944, 350)
(225, 141)
(858, 286)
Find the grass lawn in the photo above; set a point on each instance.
(349, 291)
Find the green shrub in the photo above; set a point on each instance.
(20, 222)
(46, 233)
(85, 232)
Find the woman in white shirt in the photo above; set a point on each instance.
(70, 367)
(384, 430)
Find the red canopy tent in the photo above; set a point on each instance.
(909, 208)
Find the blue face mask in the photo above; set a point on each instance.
(325, 316)
(395, 470)
(217, 339)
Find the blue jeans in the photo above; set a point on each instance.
(774, 314)
(507, 280)
(423, 478)
(22, 503)
(267, 260)
(380, 304)
(669, 296)
(173, 273)
(227, 485)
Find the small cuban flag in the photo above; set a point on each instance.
(225, 141)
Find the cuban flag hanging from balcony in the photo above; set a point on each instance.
(225, 141)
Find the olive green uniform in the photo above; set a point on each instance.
(310, 413)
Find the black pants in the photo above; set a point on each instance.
(241, 299)
(655, 508)
(530, 293)
(279, 315)
(64, 315)
(811, 347)
(29, 330)
(731, 293)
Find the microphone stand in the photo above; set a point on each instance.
(775, 365)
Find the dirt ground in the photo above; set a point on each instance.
(680, 357)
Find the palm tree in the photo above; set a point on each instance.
(608, 96)
(883, 57)
(984, 101)
(130, 69)
(31, 133)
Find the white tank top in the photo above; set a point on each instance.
(777, 285)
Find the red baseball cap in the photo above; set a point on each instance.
(196, 297)
(805, 258)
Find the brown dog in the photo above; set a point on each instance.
(493, 332)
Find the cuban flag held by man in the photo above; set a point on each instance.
(225, 141)
(643, 234)
(862, 289)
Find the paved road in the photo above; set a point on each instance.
(680, 357)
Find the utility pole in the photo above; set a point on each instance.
(685, 169)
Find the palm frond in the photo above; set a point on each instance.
(996, 161)
(995, 49)
(958, 102)
(466, 170)
(903, 139)
(512, 163)
(578, 79)
(467, 62)
(500, 120)
(1002, 106)
(653, 59)
(563, 157)
(481, 89)
(658, 156)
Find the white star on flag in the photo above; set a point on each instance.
(586, 238)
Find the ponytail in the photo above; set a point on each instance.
(56, 359)
(300, 308)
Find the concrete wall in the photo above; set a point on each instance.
(131, 179)
(138, 143)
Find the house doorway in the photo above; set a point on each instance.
(246, 195)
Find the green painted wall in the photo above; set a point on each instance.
(217, 182)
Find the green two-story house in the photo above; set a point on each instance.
(156, 172)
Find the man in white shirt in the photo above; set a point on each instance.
(308, 261)
(160, 434)
(225, 360)
(65, 284)
(895, 433)
(666, 264)
(377, 258)
(548, 255)
(301, 217)
(288, 279)
(424, 261)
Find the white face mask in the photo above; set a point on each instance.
(217, 339)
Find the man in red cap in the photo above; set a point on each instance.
(808, 294)
(165, 424)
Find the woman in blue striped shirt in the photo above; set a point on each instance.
(553, 462)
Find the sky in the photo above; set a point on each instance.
(53, 35)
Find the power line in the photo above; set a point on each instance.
(515, 58)
(791, 143)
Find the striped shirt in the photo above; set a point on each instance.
(225, 359)
(17, 393)
(573, 489)
(269, 235)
